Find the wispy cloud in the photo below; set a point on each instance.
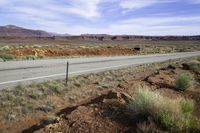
(49, 14)
(156, 21)
(77, 7)
(83, 8)
(104, 16)
(147, 26)
(158, 25)
(135, 4)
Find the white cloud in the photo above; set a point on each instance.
(83, 8)
(151, 21)
(158, 26)
(135, 4)
(55, 16)
(77, 7)
(50, 15)
(146, 26)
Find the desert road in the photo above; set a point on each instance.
(15, 72)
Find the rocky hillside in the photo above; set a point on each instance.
(15, 31)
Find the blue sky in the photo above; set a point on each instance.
(137, 17)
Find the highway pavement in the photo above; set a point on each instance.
(25, 72)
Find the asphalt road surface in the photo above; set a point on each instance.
(25, 72)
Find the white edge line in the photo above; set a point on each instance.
(84, 71)
(62, 74)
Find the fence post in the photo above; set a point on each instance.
(67, 72)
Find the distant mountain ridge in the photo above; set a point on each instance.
(12, 30)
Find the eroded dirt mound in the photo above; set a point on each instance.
(162, 78)
(106, 114)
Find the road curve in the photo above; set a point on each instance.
(15, 72)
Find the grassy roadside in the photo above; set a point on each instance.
(45, 97)
(7, 57)
(172, 115)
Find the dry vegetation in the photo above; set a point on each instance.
(149, 98)
(173, 115)
(32, 51)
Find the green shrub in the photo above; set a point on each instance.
(194, 66)
(56, 87)
(21, 47)
(183, 82)
(30, 57)
(144, 101)
(47, 106)
(187, 106)
(173, 115)
(4, 48)
(178, 123)
(20, 90)
(7, 56)
(41, 57)
(36, 94)
(166, 120)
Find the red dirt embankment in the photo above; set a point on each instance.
(63, 51)
(60, 50)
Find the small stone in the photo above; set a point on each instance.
(96, 109)
(105, 85)
(113, 95)
(72, 98)
(96, 82)
(77, 84)
(185, 66)
(169, 67)
(99, 87)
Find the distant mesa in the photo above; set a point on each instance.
(16, 32)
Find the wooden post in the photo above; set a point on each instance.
(67, 72)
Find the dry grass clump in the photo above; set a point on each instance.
(3, 48)
(194, 65)
(148, 127)
(30, 57)
(47, 106)
(174, 115)
(183, 82)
